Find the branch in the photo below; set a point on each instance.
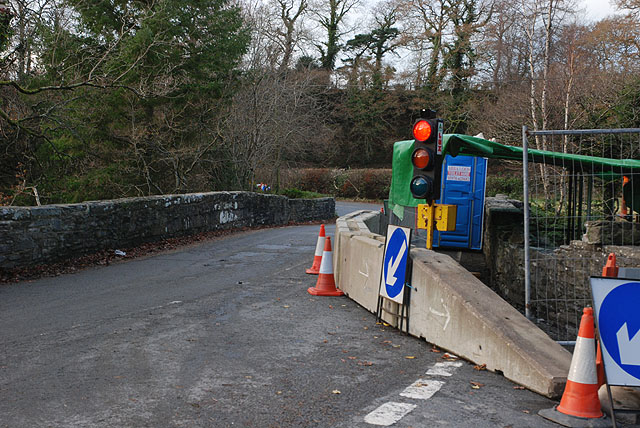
(29, 131)
(71, 87)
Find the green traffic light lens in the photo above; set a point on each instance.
(422, 187)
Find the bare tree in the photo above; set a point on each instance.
(384, 37)
(432, 19)
(331, 15)
(262, 53)
(288, 30)
(273, 120)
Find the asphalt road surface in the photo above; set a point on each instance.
(224, 334)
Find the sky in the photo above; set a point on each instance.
(598, 9)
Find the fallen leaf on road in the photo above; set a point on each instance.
(325, 341)
(526, 411)
(365, 363)
(286, 306)
(434, 349)
(343, 360)
(518, 387)
(410, 357)
(353, 358)
(279, 392)
(450, 357)
(366, 328)
(387, 341)
(476, 385)
(335, 391)
(396, 346)
(330, 307)
(480, 367)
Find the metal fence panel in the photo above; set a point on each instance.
(573, 215)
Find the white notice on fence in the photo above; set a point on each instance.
(458, 173)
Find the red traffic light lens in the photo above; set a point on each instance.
(422, 130)
(422, 158)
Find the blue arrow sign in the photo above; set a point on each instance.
(618, 318)
(395, 263)
(619, 324)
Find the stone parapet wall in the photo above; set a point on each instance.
(503, 248)
(50, 233)
(560, 285)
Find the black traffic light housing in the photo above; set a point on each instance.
(426, 157)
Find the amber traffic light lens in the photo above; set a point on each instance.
(422, 130)
(421, 158)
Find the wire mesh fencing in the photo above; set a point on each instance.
(408, 218)
(580, 204)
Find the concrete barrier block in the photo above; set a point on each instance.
(454, 310)
(361, 259)
(340, 244)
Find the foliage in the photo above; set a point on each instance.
(505, 184)
(113, 98)
(342, 183)
(126, 100)
(294, 193)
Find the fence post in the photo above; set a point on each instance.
(525, 180)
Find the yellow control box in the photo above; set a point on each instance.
(444, 217)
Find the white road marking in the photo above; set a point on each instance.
(422, 389)
(389, 413)
(443, 369)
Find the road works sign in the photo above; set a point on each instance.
(618, 320)
(394, 269)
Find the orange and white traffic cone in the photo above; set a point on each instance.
(610, 269)
(326, 284)
(580, 405)
(317, 257)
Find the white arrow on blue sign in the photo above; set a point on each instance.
(618, 320)
(396, 253)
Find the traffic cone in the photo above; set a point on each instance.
(599, 365)
(317, 257)
(580, 405)
(326, 284)
(611, 268)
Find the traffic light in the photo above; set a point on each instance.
(427, 158)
